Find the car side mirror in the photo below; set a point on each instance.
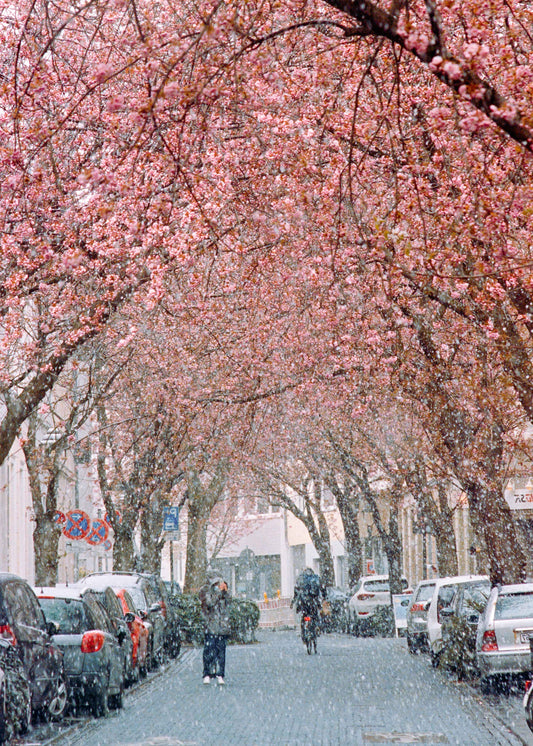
(129, 617)
(52, 628)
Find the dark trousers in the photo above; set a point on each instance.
(214, 655)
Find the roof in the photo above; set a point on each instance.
(59, 591)
(99, 581)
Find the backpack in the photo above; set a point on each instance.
(309, 585)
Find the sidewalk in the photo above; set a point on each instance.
(358, 691)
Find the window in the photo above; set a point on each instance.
(514, 606)
(70, 615)
(425, 593)
(99, 614)
(23, 609)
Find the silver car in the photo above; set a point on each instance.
(503, 634)
(417, 617)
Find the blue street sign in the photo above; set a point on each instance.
(171, 518)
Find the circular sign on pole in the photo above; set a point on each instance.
(59, 517)
(98, 533)
(77, 524)
(107, 544)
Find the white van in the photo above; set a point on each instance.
(443, 594)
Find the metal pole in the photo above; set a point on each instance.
(171, 561)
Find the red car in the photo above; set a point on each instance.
(138, 629)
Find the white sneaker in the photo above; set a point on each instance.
(220, 680)
(207, 679)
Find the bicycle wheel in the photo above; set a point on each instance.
(309, 645)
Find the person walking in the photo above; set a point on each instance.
(215, 600)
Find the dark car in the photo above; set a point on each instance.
(92, 647)
(147, 601)
(23, 625)
(112, 605)
(335, 615)
(172, 624)
(459, 620)
(15, 694)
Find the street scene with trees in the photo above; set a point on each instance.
(269, 263)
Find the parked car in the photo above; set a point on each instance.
(147, 602)
(15, 694)
(139, 632)
(443, 594)
(335, 612)
(172, 624)
(92, 647)
(459, 626)
(112, 605)
(417, 617)
(24, 626)
(173, 589)
(370, 597)
(503, 635)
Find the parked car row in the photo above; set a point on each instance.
(475, 629)
(79, 646)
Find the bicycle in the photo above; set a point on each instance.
(309, 633)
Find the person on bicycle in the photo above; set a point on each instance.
(307, 597)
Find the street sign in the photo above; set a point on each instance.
(77, 525)
(171, 518)
(98, 533)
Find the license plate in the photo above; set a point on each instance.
(524, 636)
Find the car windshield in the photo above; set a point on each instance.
(514, 606)
(69, 614)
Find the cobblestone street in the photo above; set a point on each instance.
(355, 691)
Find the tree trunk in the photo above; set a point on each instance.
(151, 541)
(353, 549)
(506, 557)
(123, 548)
(196, 561)
(201, 499)
(446, 546)
(393, 549)
(46, 536)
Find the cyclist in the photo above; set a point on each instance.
(307, 599)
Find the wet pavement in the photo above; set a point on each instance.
(358, 691)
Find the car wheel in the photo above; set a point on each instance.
(58, 705)
(116, 701)
(435, 659)
(486, 685)
(100, 703)
(135, 675)
(411, 647)
(529, 713)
